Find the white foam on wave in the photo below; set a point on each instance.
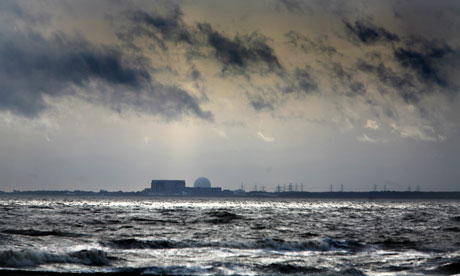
(325, 244)
(30, 258)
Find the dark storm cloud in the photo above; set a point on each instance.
(158, 28)
(242, 52)
(305, 80)
(291, 6)
(419, 55)
(339, 72)
(172, 102)
(357, 88)
(425, 68)
(195, 74)
(10, 9)
(425, 63)
(307, 45)
(34, 67)
(389, 77)
(260, 104)
(239, 54)
(169, 27)
(367, 33)
(390, 112)
(344, 80)
(302, 82)
(402, 84)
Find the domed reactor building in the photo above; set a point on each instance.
(202, 187)
(202, 182)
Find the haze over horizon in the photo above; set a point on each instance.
(111, 94)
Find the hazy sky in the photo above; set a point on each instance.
(111, 94)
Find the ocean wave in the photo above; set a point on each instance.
(452, 229)
(141, 219)
(142, 244)
(31, 258)
(286, 268)
(221, 217)
(176, 270)
(326, 244)
(397, 243)
(451, 268)
(39, 233)
(348, 272)
(40, 207)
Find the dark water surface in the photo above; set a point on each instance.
(228, 236)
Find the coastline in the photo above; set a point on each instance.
(275, 195)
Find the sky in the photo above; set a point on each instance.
(112, 94)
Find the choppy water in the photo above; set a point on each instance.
(229, 236)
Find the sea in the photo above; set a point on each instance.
(217, 236)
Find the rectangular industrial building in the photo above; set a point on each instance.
(203, 191)
(168, 186)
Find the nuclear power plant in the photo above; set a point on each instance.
(202, 182)
(201, 187)
(167, 186)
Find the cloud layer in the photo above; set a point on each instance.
(35, 67)
(364, 59)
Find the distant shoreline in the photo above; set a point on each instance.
(312, 195)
